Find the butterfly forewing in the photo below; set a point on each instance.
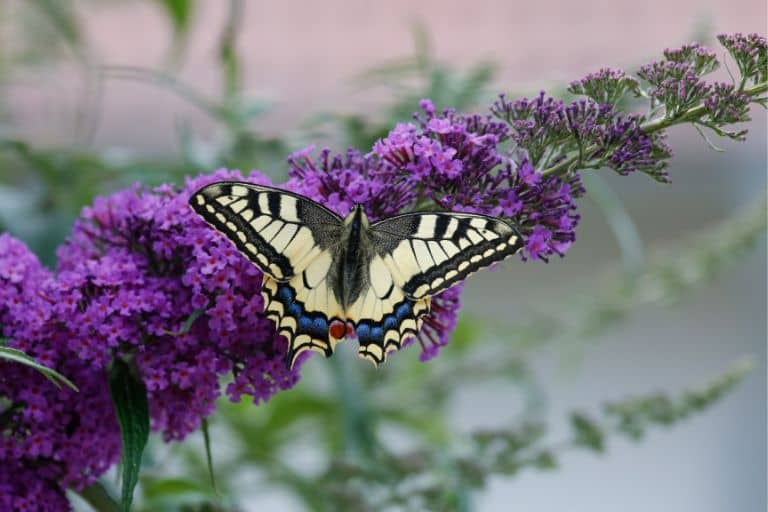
(291, 239)
(280, 232)
(427, 253)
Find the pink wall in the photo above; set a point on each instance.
(305, 55)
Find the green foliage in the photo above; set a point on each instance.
(633, 417)
(17, 356)
(179, 14)
(130, 399)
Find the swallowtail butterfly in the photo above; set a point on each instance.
(326, 277)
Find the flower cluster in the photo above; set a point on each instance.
(538, 125)
(50, 438)
(674, 84)
(144, 279)
(701, 60)
(750, 53)
(547, 129)
(606, 86)
(143, 276)
(726, 105)
(342, 181)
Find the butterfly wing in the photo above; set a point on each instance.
(413, 257)
(280, 232)
(303, 313)
(427, 253)
(383, 316)
(292, 240)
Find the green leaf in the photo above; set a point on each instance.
(130, 398)
(17, 356)
(180, 13)
(62, 17)
(208, 455)
(587, 433)
(158, 489)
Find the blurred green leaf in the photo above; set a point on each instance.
(587, 433)
(208, 454)
(61, 15)
(180, 13)
(229, 59)
(131, 405)
(176, 489)
(99, 498)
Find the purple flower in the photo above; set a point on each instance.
(726, 105)
(342, 181)
(50, 438)
(462, 168)
(142, 263)
(440, 323)
(702, 60)
(536, 124)
(607, 86)
(750, 53)
(676, 85)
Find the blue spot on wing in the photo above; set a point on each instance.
(313, 323)
(294, 310)
(390, 322)
(305, 324)
(320, 324)
(285, 294)
(363, 333)
(403, 311)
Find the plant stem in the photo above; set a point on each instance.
(357, 428)
(651, 126)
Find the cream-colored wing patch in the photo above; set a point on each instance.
(278, 231)
(427, 253)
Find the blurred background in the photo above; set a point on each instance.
(665, 288)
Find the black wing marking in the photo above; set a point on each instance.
(427, 253)
(280, 232)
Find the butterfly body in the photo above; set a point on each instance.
(326, 277)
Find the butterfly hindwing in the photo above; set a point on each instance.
(303, 315)
(380, 336)
(427, 253)
(382, 315)
(280, 232)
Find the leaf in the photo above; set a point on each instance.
(62, 17)
(130, 398)
(157, 489)
(17, 356)
(208, 456)
(587, 433)
(180, 13)
(99, 498)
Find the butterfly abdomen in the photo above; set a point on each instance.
(352, 272)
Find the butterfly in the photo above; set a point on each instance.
(327, 277)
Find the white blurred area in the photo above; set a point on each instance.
(305, 55)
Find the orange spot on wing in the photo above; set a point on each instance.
(337, 329)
